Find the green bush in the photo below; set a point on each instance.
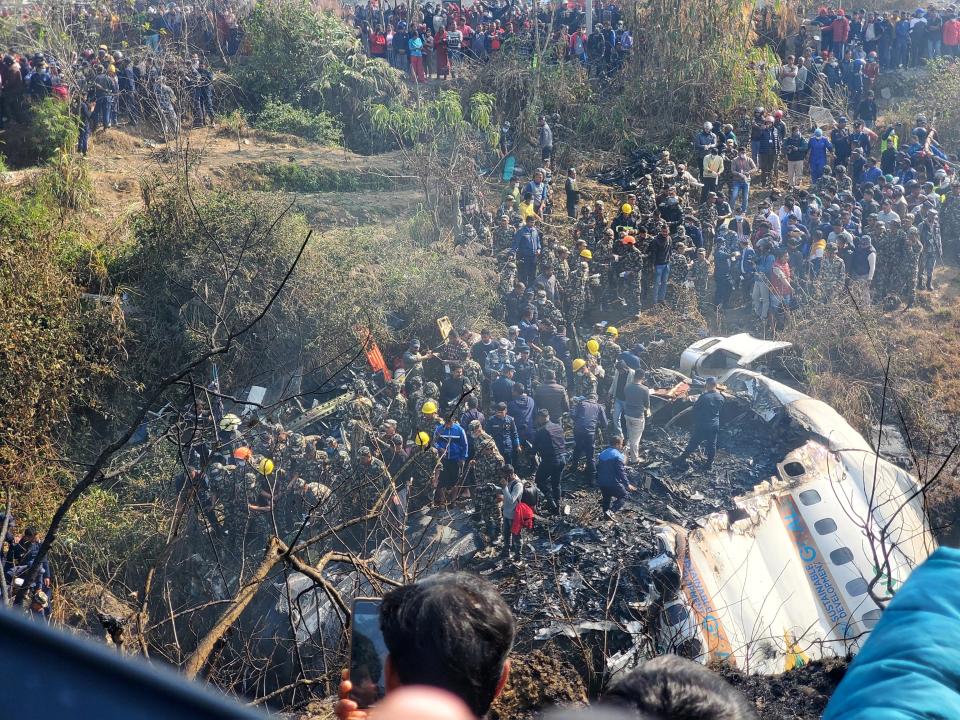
(293, 177)
(280, 117)
(52, 129)
(323, 67)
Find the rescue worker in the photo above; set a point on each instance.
(706, 423)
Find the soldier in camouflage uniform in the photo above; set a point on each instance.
(632, 263)
(550, 361)
(584, 383)
(844, 181)
(646, 205)
(578, 294)
(950, 222)
(468, 236)
(486, 464)
(369, 482)
(584, 227)
(485, 232)
(546, 310)
(833, 274)
(908, 266)
(678, 294)
(415, 400)
(701, 275)
(503, 235)
(423, 473)
(932, 247)
(708, 221)
(473, 375)
(887, 244)
(826, 182)
(396, 407)
(508, 276)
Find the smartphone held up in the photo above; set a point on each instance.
(368, 653)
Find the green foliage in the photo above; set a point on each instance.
(313, 60)
(936, 97)
(68, 182)
(437, 119)
(52, 349)
(52, 130)
(345, 279)
(281, 117)
(294, 177)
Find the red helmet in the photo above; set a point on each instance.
(778, 114)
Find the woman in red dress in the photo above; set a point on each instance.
(440, 52)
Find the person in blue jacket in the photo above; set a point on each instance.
(612, 478)
(450, 442)
(819, 146)
(908, 665)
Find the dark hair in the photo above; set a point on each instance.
(550, 375)
(452, 631)
(673, 688)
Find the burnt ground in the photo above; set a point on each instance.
(583, 595)
(800, 693)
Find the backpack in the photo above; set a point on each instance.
(531, 495)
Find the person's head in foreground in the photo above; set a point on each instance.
(673, 688)
(451, 631)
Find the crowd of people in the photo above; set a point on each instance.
(434, 38)
(108, 87)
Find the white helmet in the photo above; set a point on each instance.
(708, 126)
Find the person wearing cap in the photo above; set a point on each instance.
(908, 268)
(932, 246)
(501, 388)
(503, 429)
(706, 423)
(704, 142)
(413, 359)
(589, 418)
(484, 471)
(819, 147)
(527, 246)
(497, 358)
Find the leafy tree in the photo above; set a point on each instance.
(314, 61)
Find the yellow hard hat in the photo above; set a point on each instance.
(429, 408)
(612, 331)
(626, 208)
(422, 439)
(579, 363)
(586, 254)
(593, 346)
(265, 466)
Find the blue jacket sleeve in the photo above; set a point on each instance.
(907, 667)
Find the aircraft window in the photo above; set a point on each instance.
(857, 587)
(676, 614)
(841, 556)
(809, 497)
(870, 617)
(825, 526)
(794, 469)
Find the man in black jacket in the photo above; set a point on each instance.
(706, 423)
(551, 397)
(550, 446)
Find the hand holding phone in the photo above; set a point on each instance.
(368, 653)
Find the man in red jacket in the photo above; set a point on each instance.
(841, 32)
